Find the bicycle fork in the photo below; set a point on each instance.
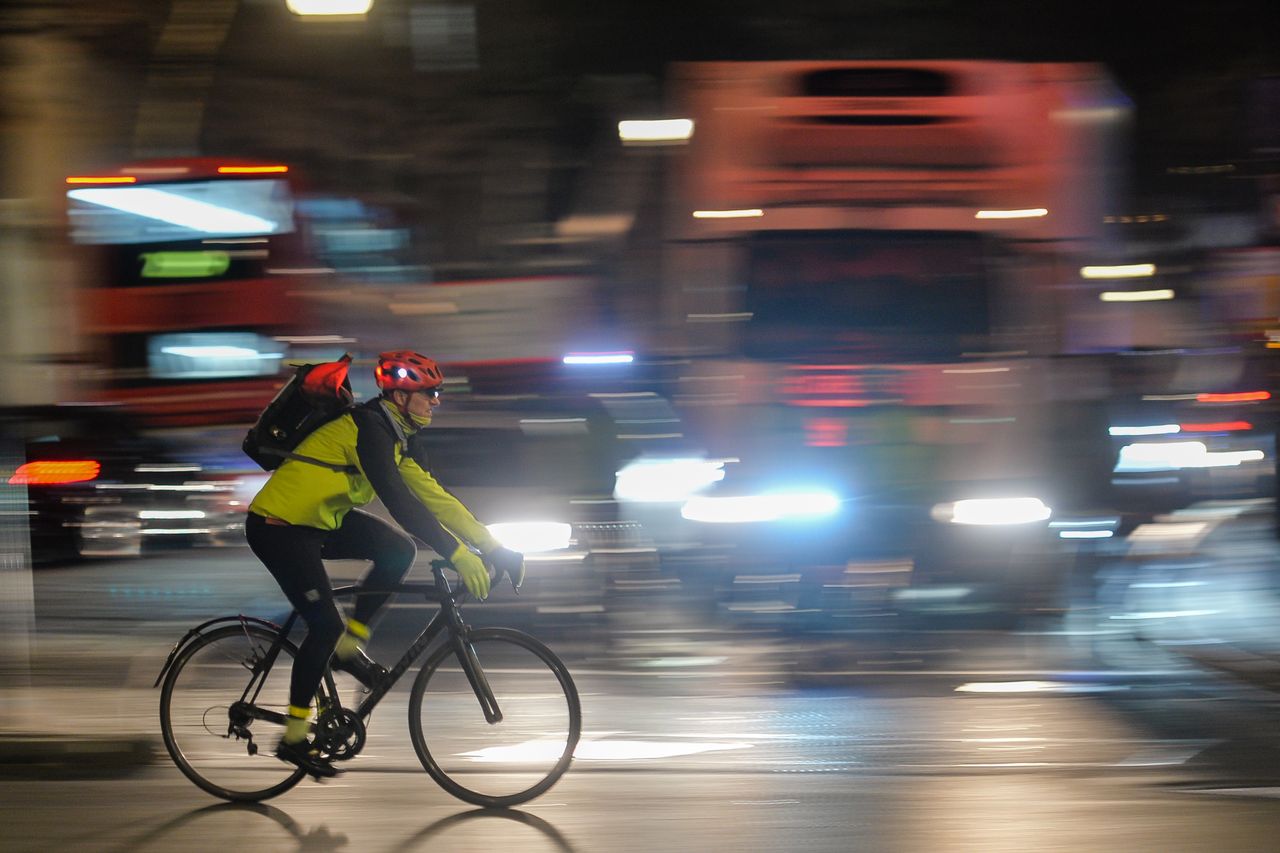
(470, 664)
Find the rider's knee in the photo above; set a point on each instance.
(324, 623)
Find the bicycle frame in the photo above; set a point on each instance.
(446, 619)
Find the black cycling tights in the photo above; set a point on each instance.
(295, 557)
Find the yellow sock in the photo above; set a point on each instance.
(352, 640)
(297, 726)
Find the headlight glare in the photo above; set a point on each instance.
(993, 511)
(532, 537)
(666, 480)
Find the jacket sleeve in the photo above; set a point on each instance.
(376, 454)
(446, 507)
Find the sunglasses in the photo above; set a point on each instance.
(430, 393)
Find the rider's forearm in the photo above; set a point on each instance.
(448, 509)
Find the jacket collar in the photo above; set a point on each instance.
(398, 417)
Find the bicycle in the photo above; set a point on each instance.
(493, 735)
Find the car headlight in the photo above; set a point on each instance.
(532, 537)
(993, 511)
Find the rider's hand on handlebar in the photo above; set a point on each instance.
(510, 563)
(472, 570)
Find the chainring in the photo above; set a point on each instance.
(340, 734)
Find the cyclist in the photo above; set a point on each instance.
(307, 512)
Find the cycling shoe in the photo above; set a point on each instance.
(365, 669)
(303, 754)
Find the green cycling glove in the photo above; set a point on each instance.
(472, 570)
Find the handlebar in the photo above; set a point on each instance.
(438, 565)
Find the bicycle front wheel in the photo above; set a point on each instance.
(510, 760)
(215, 743)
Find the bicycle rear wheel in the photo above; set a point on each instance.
(206, 736)
(509, 761)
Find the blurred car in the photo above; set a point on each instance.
(97, 486)
(1190, 425)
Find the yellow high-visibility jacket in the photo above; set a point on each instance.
(370, 442)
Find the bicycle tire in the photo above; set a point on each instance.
(238, 771)
(529, 682)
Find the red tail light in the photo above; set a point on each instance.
(1220, 426)
(1241, 397)
(55, 473)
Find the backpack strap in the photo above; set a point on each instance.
(297, 457)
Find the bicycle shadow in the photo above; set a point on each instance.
(317, 840)
(439, 827)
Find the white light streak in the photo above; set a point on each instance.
(329, 7)
(219, 352)
(1098, 522)
(994, 511)
(1026, 213)
(1119, 271)
(599, 358)
(1036, 687)
(1153, 429)
(745, 213)
(1162, 295)
(1008, 686)
(175, 209)
(1176, 455)
(660, 130)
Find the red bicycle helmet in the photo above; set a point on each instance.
(406, 370)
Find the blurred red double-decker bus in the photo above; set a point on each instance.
(191, 276)
(871, 268)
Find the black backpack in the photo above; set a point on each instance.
(313, 396)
